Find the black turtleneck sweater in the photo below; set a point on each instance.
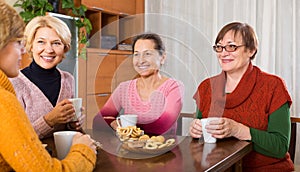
(47, 80)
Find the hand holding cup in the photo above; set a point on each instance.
(127, 120)
(77, 104)
(208, 138)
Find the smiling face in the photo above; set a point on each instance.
(146, 59)
(47, 48)
(10, 58)
(238, 60)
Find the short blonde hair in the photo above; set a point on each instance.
(54, 23)
(11, 25)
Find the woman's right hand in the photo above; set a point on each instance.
(85, 139)
(114, 124)
(62, 113)
(196, 128)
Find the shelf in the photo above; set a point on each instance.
(123, 7)
(112, 26)
(114, 22)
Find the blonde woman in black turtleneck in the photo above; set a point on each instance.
(42, 88)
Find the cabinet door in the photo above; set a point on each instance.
(126, 7)
(98, 4)
(100, 71)
(94, 104)
(124, 70)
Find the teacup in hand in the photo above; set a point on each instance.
(208, 138)
(127, 120)
(77, 104)
(63, 141)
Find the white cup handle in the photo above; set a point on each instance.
(117, 120)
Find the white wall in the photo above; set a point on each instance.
(11, 2)
(189, 28)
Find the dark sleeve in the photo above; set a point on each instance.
(198, 114)
(275, 141)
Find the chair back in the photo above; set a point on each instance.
(292, 148)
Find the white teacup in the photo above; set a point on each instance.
(63, 142)
(127, 120)
(77, 103)
(208, 138)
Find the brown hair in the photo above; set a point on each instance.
(246, 31)
(159, 45)
(11, 25)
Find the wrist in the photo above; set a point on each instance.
(243, 132)
(48, 121)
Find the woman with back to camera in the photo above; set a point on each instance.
(42, 88)
(252, 105)
(20, 148)
(155, 98)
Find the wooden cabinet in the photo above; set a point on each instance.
(127, 7)
(100, 70)
(114, 23)
(92, 107)
(105, 70)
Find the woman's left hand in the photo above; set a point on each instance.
(225, 127)
(77, 125)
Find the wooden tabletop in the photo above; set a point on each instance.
(189, 155)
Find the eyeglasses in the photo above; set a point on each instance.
(228, 48)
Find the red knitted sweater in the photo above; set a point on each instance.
(257, 95)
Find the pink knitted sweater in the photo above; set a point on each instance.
(36, 104)
(155, 116)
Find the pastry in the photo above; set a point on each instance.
(144, 137)
(170, 141)
(136, 144)
(150, 145)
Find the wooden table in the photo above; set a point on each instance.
(190, 155)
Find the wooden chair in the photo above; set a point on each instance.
(292, 149)
(180, 122)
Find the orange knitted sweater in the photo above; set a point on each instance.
(21, 149)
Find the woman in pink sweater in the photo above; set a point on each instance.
(20, 148)
(156, 99)
(42, 88)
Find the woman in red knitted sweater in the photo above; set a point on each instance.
(252, 105)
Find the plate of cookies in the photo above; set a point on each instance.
(135, 140)
(129, 133)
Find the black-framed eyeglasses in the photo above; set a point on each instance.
(228, 48)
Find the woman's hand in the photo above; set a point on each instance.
(85, 139)
(196, 128)
(225, 127)
(114, 124)
(77, 125)
(62, 113)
